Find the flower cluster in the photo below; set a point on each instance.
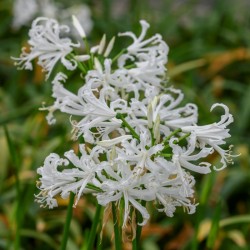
(141, 144)
(24, 11)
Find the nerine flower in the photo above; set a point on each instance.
(23, 12)
(75, 179)
(148, 57)
(95, 108)
(214, 134)
(143, 145)
(47, 46)
(123, 185)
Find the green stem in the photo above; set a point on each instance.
(67, 222)
(136, 241)
(125, 123)
(118, 55)
(86, 45)
(172, 134)
(164, 155)
(79, 64)
(99, 238)
(183, 137)
(94, 227)
(152, 137)
(93, 187)
(179, 140)
(116, 228)
(91, 61)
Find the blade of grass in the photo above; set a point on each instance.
(179, 69)
(235, 220)
(40, 236)
(18, 113)
(207, 184)
(215, 227)
(15, 163)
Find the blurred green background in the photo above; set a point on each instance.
(209, 60)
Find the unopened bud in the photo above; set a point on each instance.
(78, 27)
(109, 47)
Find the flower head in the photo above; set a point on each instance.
(142, 143)
(47, 46)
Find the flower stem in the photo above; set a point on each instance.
(136, 241)
(79, 64)
(68, 220)
(93, 187)
(94, 227)
(178, 140)
(184, 137)
(125, 123)
(172, 134)
(119, 54)
(116, 228)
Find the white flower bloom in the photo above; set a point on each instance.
(149, 58)
(169, 191)
(163, 108)
(135, 130)
(54, 181)
(96, 108)
(214, 134)
(48, 8)
(123, 185)
(100, 112)
(66, 101)
(139, 154)
(103, 75)
(23, 12)
(182, 156)
(140, 45)
(47, 45)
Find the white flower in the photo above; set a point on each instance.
(75, 179)
(139, 154)
(169, 190)
(148, 57)
(95, 108)
(143, 145)
(139, 45)
(123, 185)
(163, 108)
(182, 156)
(48, 8)
(23, 12)
(66, 101)
(214, 134)
(100, 112)
(103, 75)
(47, 45)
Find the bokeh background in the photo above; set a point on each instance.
(209, 60)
